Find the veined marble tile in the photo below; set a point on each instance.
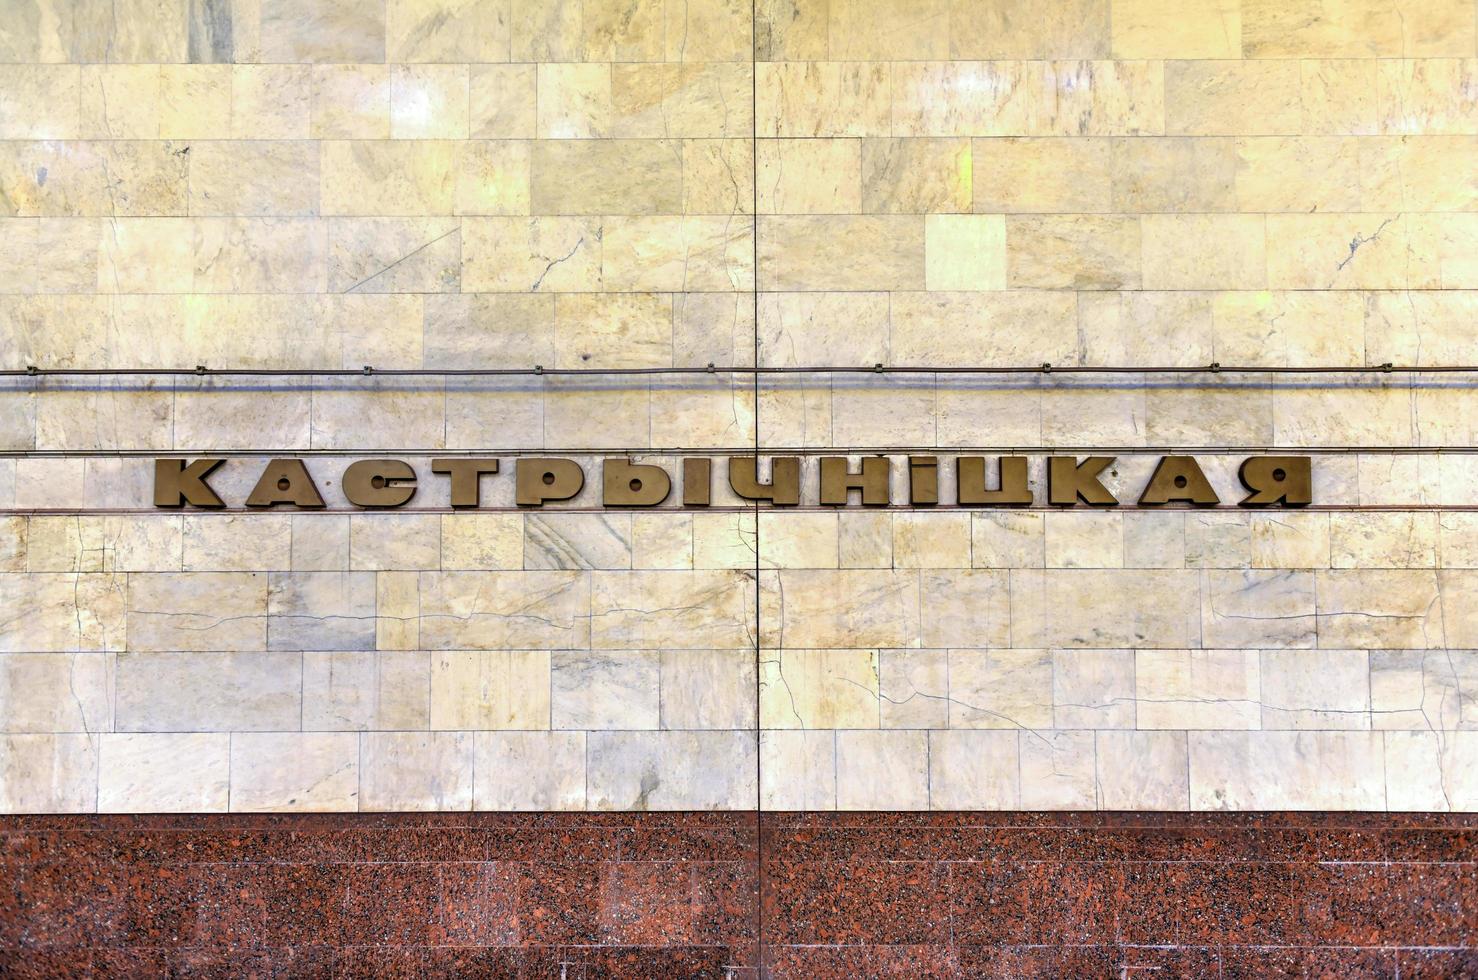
(1177, 29)
(671, 770)
(221, 611)
(974, 770)
(798, 770)
(48, 773)
(1287, 770)
(1058, 770)
(174, 773)
(416, 771)
(505, 610)
(209, 692)
(490, 689)
(819, 689)
(885, 770)
(529, 771)
(1205, 689)
(1379, 609)
(1142, 771)
(361, 690)
(659, 610)
(1356, 29)
(1316, 690)
(56, 692)
(708, 689)
(438, 31)
(601, 690)
(292, 772)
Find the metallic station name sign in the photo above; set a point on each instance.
(1283, 481)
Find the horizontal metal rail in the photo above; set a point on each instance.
(538, 370)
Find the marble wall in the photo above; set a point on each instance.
(610, 184)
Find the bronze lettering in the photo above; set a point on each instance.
(285, 481)
(1069, 481)
(538, 480)
(177, 483)
(466, 477)
(837, 479)
(1014, 490)
(1288, 480)
(784, 488)
(628, 484)
(697, 482)
(923, 480)
(379, 483)
(1178, 479)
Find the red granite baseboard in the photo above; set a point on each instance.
(582, 896)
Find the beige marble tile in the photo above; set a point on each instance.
(237, 543)
(1174, 29)
(529, 771)
(1084, 540)
(208, 692)
(173, 773)
(1316, 690)
(350, 102)
(601, 690)
(822, 98)
(1142, 771)
(198, 611)
(801, 540)
(818, 689)
(671, 770)
(416, 771)
(858, 608)
(1073, 252)
(1204, 689)
(1260, 608)
(1290, 540)
(1356, 29)
(1287, 770)
(1000, 689)
(56, 692)
(547, 610)
(361, 690)
(809, 176)
(1075, 608)
(1430, 771)
(558, 254)
(1383, 540)
(708, 689)
(882, 770)
(440, 31)
(491, 689)
(798, 770)
(1058, 770)
(1025, 175)
(48, 773)
(292, 772)
(574, 176)
(974, 770)
(1379, 609)
(656, 610)
(482, 541)
(842, 253)
(931, 540)
(1093, 689)
(40, 101)
(1019, 29)
(1233, 98)
(322, 30)
(965, 252)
